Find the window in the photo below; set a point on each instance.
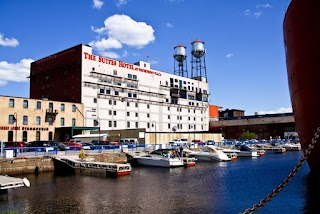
(114, 102)
(101, 91)
(148, 106)
(50, 121)
(129, 76)
(110, 112)
(73, 122)
(148, 125)
(38, 135)
(137, 124)
(50, 107)
(38, 120)
(108, 91)
(128, 104)
(12, 119)
(11, 103)
(110, 102)
(134, 77)
(134, 95)
(95, 100)
(74, 108)
(148, 115)
(169, 117)
(25, 104)
(116, 93)
(62, 107)
(25, 120)
(114, 123)
(115, 72)
(10, 135)
(110, 123)
(128, 124)
(169, 126)
(168, 108)
(136, 105)
(128, 114)
(114, 112)
(25, 136)
(129, 95)
(62, 121)
(50, 136)
(38, 105)
(136, 114)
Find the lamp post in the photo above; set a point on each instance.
(98, 118)
(15, 118)
(194, 132)
(85, 114)
(155, 130)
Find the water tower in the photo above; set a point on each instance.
(180, 68)
(198, 62)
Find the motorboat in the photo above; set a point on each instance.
(292, 146)
(246, 151)
(160, 158)
(210, 153)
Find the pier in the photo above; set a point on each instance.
(7, 182)
(110, 168)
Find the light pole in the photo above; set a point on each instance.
(98, 118)
(194, 132)
(85, 114)
(155, 130)
(15, 118)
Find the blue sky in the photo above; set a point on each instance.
(245, 59)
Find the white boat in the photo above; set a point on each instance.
(160, 158)
(246, 151)
(210, 153)
(292, 146)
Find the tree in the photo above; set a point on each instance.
(248, 135)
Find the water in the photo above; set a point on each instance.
(210, 187)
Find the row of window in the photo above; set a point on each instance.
(38, 105)
(25, 136)
(13, 119)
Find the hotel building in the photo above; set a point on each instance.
(119, 95)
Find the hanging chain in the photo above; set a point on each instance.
(275, 192)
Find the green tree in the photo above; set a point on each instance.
(248, 135)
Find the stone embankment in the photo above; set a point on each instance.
(37, 164)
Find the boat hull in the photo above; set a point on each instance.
(301, 39)
(159, 162)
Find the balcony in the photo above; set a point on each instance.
(51, 113)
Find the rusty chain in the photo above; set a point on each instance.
(275, 192)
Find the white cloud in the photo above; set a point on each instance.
(278, 111)
(264, 6)
(8, 42)
(97, 4)
(104, 44)
(125, 53)
(247, 12)
(169, 25)
(14, 72)
(229, 55)
(120, 30)
(135, 54)
(257, 14)
(120, 2)
(109, 54)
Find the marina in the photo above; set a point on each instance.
(209, 187)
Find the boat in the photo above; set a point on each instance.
(246, 151)
(292, 146)
(301, 40)
(210, 153)
(161, 158)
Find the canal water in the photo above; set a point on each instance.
(209, 187)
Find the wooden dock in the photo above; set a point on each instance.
(110, 168)
(7, 182)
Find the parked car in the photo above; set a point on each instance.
(15, 145)
(38, 145)
(61, 146)
(72, 145)
(210, 142)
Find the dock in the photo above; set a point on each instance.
(7, 182)
(110, 168)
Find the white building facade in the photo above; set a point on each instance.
(120, 95)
